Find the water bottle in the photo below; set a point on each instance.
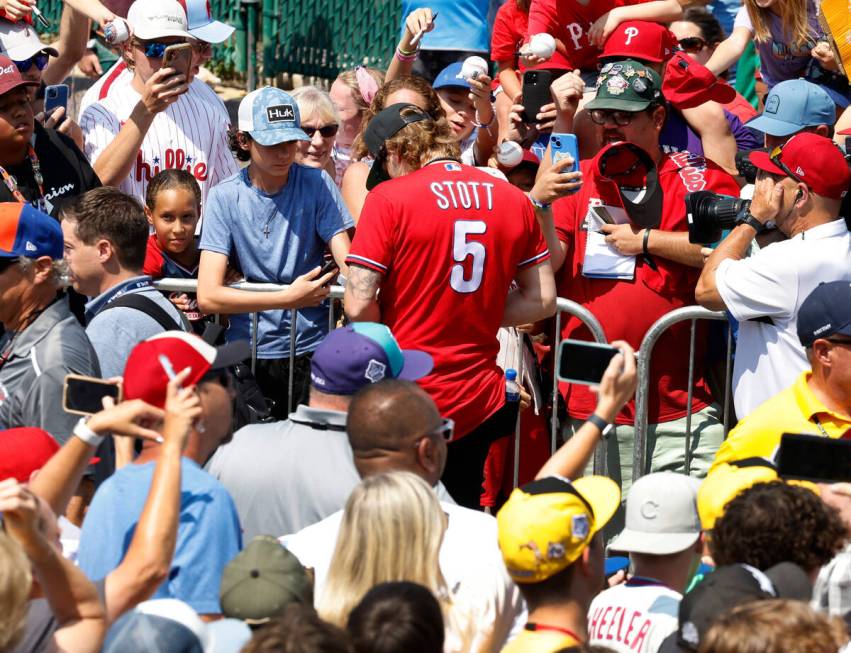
(512, 389)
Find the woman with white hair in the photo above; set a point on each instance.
(319, 120)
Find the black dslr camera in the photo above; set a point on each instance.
(709, 214)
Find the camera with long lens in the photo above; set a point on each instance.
(709, 214)
(745, 167)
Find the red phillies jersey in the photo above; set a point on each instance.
(509, 32)
(449, 240)
(627, 309)
(569, 21)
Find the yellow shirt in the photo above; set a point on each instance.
(539, 641)
(791, 411)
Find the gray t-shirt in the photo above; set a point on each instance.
(287, 475)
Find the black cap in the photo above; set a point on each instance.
(628, 165)
(730, 586)
(383, 126)
(825, 312)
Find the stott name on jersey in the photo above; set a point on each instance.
(619, 624)
(463, 194)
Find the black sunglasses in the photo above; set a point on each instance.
(621, 118)
(774, 157)
(692, 44)
(39, 60)
(326, 131)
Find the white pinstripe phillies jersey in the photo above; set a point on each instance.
(190, 134)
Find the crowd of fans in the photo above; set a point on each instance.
(235, 460)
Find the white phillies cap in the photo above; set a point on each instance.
(156, 19)
(661, 515)
(202, 25)
(19, 42)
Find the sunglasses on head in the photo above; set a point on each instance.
(774, 157)
(692, 44)
(621, 118)
(326, 131)
(39, 60)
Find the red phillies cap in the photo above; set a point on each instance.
(24, 451)
(689, 84)
(639, 39)
(10, 76)
(146, 374)
(809, 159)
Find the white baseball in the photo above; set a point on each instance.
(509, 154)
(473, 68)
(542, 45)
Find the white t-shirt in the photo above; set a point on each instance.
(770, 286)
(190, 134)
(634, 617)
(471, 564)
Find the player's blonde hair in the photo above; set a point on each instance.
(420, 142)
(392, 530)
(793, 14)
(15, 582)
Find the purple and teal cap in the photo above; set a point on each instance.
(26, 231)
(362, 353)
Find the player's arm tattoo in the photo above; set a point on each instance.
(363, 282)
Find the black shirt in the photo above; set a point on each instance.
(66, 171)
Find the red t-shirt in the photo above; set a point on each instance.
(449, 240)
(627, 309)
(569, 21)
(509, 32)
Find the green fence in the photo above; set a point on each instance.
(307, 37)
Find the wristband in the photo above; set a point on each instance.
(405, 57)
(82, 431)
(752, 222)
(538, 204)
(645, 241)
(91, 43)
(408, 53)
(484, 124)
(600, 423)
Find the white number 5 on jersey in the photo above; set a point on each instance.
(461, 249)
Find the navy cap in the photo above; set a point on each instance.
(793, 105)
(451, 77)
(26, 231)
(825, 312)
(362, 353)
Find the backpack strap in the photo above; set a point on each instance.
(150, 308)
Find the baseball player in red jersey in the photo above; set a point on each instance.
(443, 243)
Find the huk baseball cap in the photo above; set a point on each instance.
(383, 126)
(362, 353)
(639, 39)
(792, 106)
(202, 25)
(661, 515)
(271, 117)
(10, 76)
(825, 312)
(146, 375)
(26, 231)
(626, 85)
(19, 42)
(157, 19)
(725, 482)
(811, 159)
(545, 525)
(450, 77)
(263, 580)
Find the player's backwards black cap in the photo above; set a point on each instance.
(383, 126)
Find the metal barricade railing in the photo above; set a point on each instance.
(642, 394)
(590, 321)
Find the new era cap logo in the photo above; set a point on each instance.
(375, 371)
(799, 171)
(30, 247)
(280, 113)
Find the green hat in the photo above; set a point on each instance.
(626, 86)
(262, 580)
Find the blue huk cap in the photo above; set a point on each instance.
(825, 312)
(451, 76)
(793, 105)
(362, 353)
(271, 117)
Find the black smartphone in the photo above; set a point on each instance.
(584, 362)
(536, 93)
(84, 394)
(328, 267)
(814, 458)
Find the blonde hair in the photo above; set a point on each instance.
(315, 101)
(420, 142)
(793, 13)
(15, 583)
(392, 530)
(350, 79)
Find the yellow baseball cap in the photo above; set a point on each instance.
(725, 482)
(546, 524)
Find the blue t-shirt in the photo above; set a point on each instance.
(275, 239)
(208, 534)
(460, 25)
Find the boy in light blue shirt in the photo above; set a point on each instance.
(274, 219)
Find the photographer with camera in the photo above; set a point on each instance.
(799, 189)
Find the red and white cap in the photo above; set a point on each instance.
(202, 25)
(156, 19)
(146, 375)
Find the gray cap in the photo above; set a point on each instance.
(661, 515)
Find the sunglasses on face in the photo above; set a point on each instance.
(621, 118)
(155, 49)
(38, 60)
(445, 430)
(6, 263)
(692, 44)
(326, 131)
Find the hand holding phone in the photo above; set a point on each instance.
(55, 96)
(179, 57)
(536, 93)
(84, 395)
